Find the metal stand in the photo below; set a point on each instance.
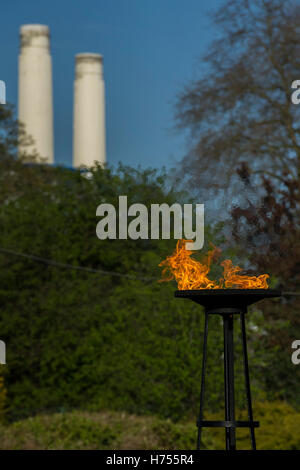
(230, 424)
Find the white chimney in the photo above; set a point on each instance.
(89, 111)
(35, 89)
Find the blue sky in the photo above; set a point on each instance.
(151, 49)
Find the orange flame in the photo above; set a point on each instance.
(191, 274)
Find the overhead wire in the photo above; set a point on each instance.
(59, 264)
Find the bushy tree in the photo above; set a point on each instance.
(239, 109)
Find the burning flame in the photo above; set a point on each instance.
(191, 274)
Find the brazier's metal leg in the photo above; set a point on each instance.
(247, 380)
(229, 380)
(204, 356)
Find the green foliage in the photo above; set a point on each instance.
(175, 435)
(279, 429)
(279, 425)
(59, 431)
(76, 338)
(3, 395)
(100, 341)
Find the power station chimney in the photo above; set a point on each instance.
(89, 111)
(35, 89)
